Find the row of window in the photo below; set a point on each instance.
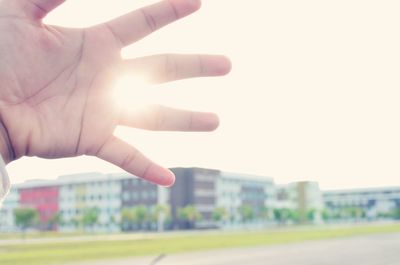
(72, 212)
(93, 197)
(94, 184)
(128, 196)
(382, 194)
(360, 202)
(135, 181)
(247, 195)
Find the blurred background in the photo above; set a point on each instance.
(308, 147)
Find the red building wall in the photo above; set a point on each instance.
(44, 199)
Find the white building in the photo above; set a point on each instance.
(10, 203)
(374, 202)
(91, 191)
(304, 197)
(236, 190)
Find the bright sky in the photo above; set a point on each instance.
(314, 93)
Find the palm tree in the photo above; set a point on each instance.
(220, 214)
(90, 217)
(127, 219)
(189, 215)
(25, 218)
(247, 213)
(162, 214)
(55, 221)
(141, 216)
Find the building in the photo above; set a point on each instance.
(195, 187)
(81, 192)
(235, 191)
(10, 203)
(69, 198)
(208, 189)
(369, 203)
(44, 197)
(219, 199)
(135, 192)
(304, 197)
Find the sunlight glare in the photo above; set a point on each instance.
(133, 92)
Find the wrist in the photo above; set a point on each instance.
(6, 147)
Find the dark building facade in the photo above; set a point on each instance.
(136, 191)
(195, 187)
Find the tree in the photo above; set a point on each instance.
(189, 215)
(127, 218)
(354, 213)
(25, 218)
(311, 214)
(90, 217)
(77, 222)
(396, 213)
(54, 221)
(162, 215)
(327, 215)
(264, 213)
(220, 214)
(140, 215)
(135, 217)
(294, 215)
(278, 215)
(247, 213)
(283, 215)
(112, 221)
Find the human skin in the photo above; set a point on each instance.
(56, 85)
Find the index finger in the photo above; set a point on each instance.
(134, 26)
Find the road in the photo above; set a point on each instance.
(381, 249)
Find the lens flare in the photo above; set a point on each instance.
(133, 92)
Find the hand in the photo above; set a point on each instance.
(55, 85)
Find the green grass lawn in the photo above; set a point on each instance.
(58, 253)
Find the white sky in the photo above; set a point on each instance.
(314, 93)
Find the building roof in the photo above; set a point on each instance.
(361, 190)
(74, 179)
(241, 176)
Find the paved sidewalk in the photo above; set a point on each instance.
(364, 250)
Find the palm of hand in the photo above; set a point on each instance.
(55, 83)
(62, 103)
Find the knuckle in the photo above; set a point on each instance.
(150, 19)
(174, 10)
(171, 67)
(190, 122)
(202, 70)
(128, 160)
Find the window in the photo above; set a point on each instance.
(125, 196)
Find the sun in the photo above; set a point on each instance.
(133, 91)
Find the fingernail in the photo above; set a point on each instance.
(204, 121)
(226, 66)
(161, 176)
(169, 180)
